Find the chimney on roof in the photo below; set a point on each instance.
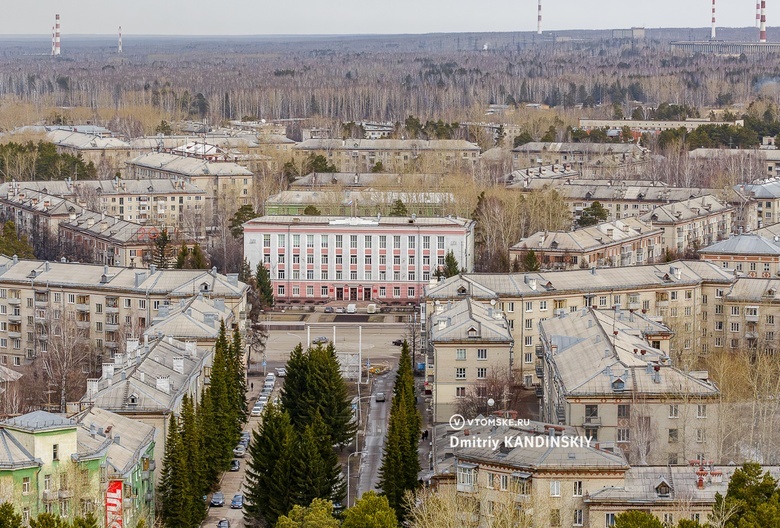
(210, 319)
(92, 387)
(164, 384)
(178, 365)
(131, 346)
(232, 279)
(152, 269)
(108, 372)
(140, 277)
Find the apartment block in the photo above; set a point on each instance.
(609, 373)
(317, 259)
(471, 342)
(99, 239)
(750, 254)
(626, 242)
(68, 466)
(398, 155)
(693, 223)
(586, 158)
(106, 305)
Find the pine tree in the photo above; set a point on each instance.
(181, 257)
(297, 397)
(264, 285)
(398, 209)
(334, 402)
(9, 518)
(173, 480)
(194, 463)
(316, 472)
(451, 267)
(268, 474)
(90, 521)
(49, 520)
(529, 261)
(198, 259)
(223, 436)
(245, 272)
(161, 250)
(239, 375)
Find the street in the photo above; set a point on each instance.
(375, 430)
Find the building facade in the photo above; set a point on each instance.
(693, 223)
(626, 242)
(317, 259)
(750, 254)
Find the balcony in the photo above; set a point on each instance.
(82, 307)
(14, 335)
(539, 351)
(539, 392)
(49, 495)
(14, 318)
(539, 372)
(751, 318)
(65, 494)
(111, 327)
(42, 337)
(634, 306)
(111, 344)
(41, 303)
(560, 413)
(83, 324)
(14, 301)
(592, 421)
(112, 309)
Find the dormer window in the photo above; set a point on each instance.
(133, 399)
(462, 290)
(204, 287)
(472, 332)
(663, 489)
(618, 385)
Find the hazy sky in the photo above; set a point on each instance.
(263, 17)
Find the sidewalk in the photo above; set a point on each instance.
(423, 406)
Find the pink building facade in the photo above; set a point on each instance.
(319, 259)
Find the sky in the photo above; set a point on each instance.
(285, 17)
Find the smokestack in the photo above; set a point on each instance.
(57, 35)
(762, 27)
(712, 31)
(52, 40)
(119, 49)
(758, 13)
(539, 19)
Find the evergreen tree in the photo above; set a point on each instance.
(451, 267)
(244, 214)
(161, 250)
(371, 511)
(245, 273)
(182, 256)
(12, 243)
(198, 259)
(297, 397)
(49, 520)
(316, 472)
(224, 434)
(9, 518)
(637, 519)
(311, 210)
(268, 473)
(400, 464)
(319, 514)
(194, 463)
(238, 370)
(173, 488)
(90, 521)
(399, 209)
(264, 285)
(529, 261)
(592, 215)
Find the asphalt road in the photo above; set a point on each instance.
(375, 431)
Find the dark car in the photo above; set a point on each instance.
(380, 396)
(328, 309)
(319, 340)
(398, 342)
(218, 499)
(223, 523)
(238, 501)
(235, 465)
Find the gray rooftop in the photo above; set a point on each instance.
(386, 144)
(13, 455)
(591, 148)
(110, 228)
(39, 421)
(357, 222)
(748, 244)
(188, 166)
(589, 238)
(468, 320)
(118, 439)
(686, 210)
(67, 188)
(368, 179)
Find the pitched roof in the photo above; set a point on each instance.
(588, 238)
(13, 454)
(686, 210)
(118, 439)
(39, 421)
(469, 320)
(188, 166)
(386, 144)
(747, 244)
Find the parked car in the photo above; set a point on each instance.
(328, 309)
(398, 342)
(268, 385)
(246, 434)
(340, 310)
(238, 501)
(257, 410)
(262, 399)
(270, 377)
(244, 442)
(223, 523)
(380, 396)
(218, 499)
(239, 451)
(281, 372)
(266, 391)
(319, 340)
(235, 465)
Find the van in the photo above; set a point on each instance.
(351, 308)
(371, 308)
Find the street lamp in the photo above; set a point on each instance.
(350, 456)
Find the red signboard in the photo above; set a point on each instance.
(114, 504)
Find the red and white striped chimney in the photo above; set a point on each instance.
(712, 31)
(57, 35)
(762, 27)
(758, 13)
(119, 49)
(52, 40)
(539, 19)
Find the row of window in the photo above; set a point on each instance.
(368, 241)
(624, 410)
(354, 275)
(368, 260)
(411, 291)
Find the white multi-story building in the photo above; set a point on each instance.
(316, 259)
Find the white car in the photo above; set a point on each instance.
(262, 400)
(281, 372)
(257, 410)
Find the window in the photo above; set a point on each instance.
(396, 242)
(528, 341)
(280, 290)
(339, 241)
(460, 392)
(411, 242)
(770, 319)
(668, 519)
(673, 436)
(578, 517)
(426, 242)
(460, 354)
(481, 373)
(529, 306)
(47, 482)
(466, 476)
(624, 411)
(280, 242)
(674, 411)
(700, 435)
(382, 291)
(609, 519)
(296, 241)
(25, 485)
(555, 488)
(623, 435)
(602, 300)
(309, 241)
(735, 327)
(382, 242)
(528, 357)
(701, 411)
(735, 310)
(353, 241)
(578, 488)
(71, 298)
(529, 324)
(142, 304)
(55, 452)
(482, 353)
(396, 291)
(266, 241)
(543, 306)
(460, 373)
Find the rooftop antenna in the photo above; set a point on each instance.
(539, 19)
(119, 48)
(712, 31)
(56, 34)
(762, 27)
